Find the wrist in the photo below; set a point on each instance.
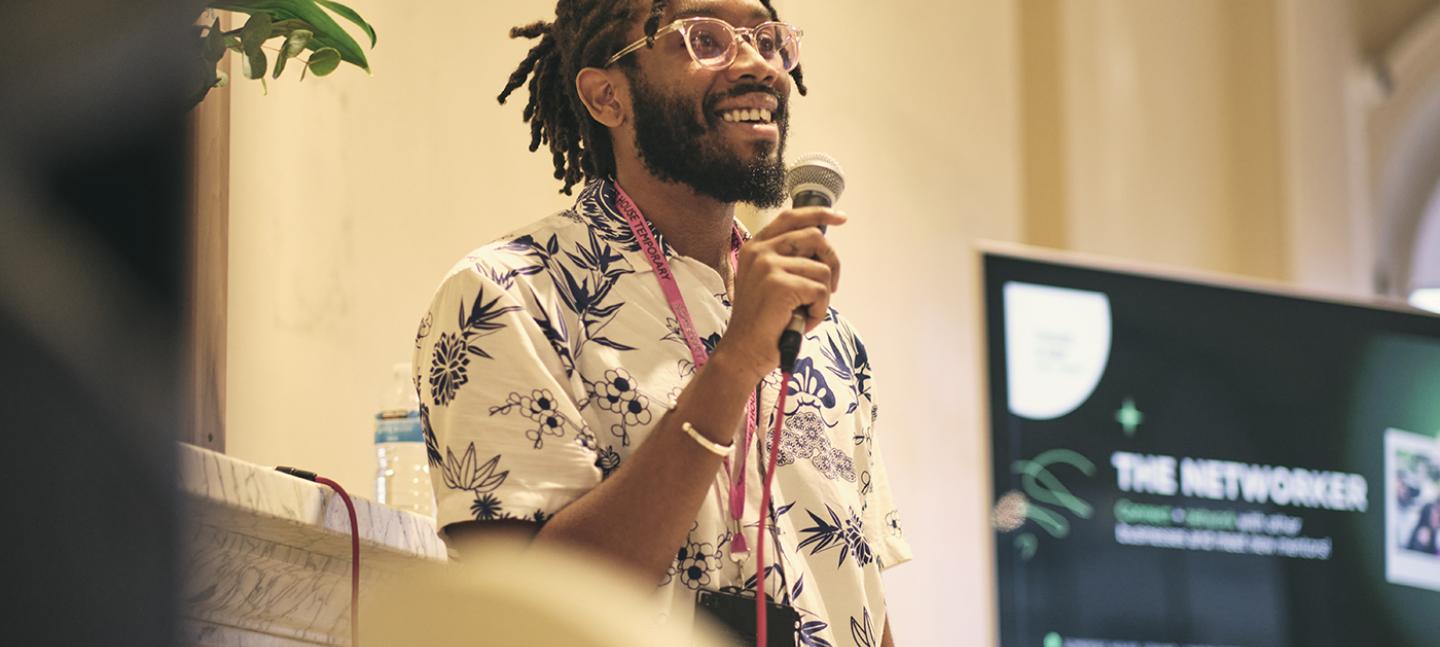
(726, 366)
(714, 401)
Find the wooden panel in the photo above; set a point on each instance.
(1042, 136)
(208, 261)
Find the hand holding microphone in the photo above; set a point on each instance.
(786, 273)
(814, 180)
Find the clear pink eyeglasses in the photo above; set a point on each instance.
(714, 43)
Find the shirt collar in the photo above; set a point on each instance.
(598, 205)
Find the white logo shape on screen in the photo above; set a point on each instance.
(1057, 343)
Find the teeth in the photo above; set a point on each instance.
(747, 115)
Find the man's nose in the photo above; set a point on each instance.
(749, 63)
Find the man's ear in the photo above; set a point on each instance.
(600, 91)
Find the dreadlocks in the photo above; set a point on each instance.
(584, 34)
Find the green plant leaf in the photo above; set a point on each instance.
(255, 30)
(327, 32)
(208, 75)
(254, 64)
(287, 26)
(351, 15)
(254, 34)
(324, 61)
(221, 79)
(294, 44)
(297, 41)
(214, 43)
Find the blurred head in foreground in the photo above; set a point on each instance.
(519, 594)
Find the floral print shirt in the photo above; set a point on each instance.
(548, 357)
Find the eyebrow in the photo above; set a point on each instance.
(709, 12)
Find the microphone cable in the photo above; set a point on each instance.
(354, 545)
(788, 369)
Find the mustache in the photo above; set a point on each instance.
(782, 109)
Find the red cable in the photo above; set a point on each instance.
(354, 559)
(765, 512)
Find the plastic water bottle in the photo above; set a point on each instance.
(403, 478)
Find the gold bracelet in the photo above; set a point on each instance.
(709, 445)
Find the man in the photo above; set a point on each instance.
(579, 390)
(1425, 538)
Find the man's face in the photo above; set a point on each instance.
(681, 131)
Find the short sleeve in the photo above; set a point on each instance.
(881, 517)
(503, 432)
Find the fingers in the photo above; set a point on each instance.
(810, 244)
(815, 316)
(801, 242)
(810, 294)
(808, 268)
(802, 218)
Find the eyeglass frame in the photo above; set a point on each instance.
(682, 25)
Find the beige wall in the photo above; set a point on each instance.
(1158, 130)
(1157, 123)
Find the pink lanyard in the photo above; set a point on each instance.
(651, 248)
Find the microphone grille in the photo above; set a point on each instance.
(816, 170)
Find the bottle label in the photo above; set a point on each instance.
(395, 429)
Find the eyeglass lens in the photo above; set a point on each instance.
(713, 44)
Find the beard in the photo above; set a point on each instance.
(677, 147)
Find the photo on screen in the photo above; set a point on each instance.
(1412, 509)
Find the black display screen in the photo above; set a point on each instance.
(1190, 464)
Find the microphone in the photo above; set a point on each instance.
(814, 180)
